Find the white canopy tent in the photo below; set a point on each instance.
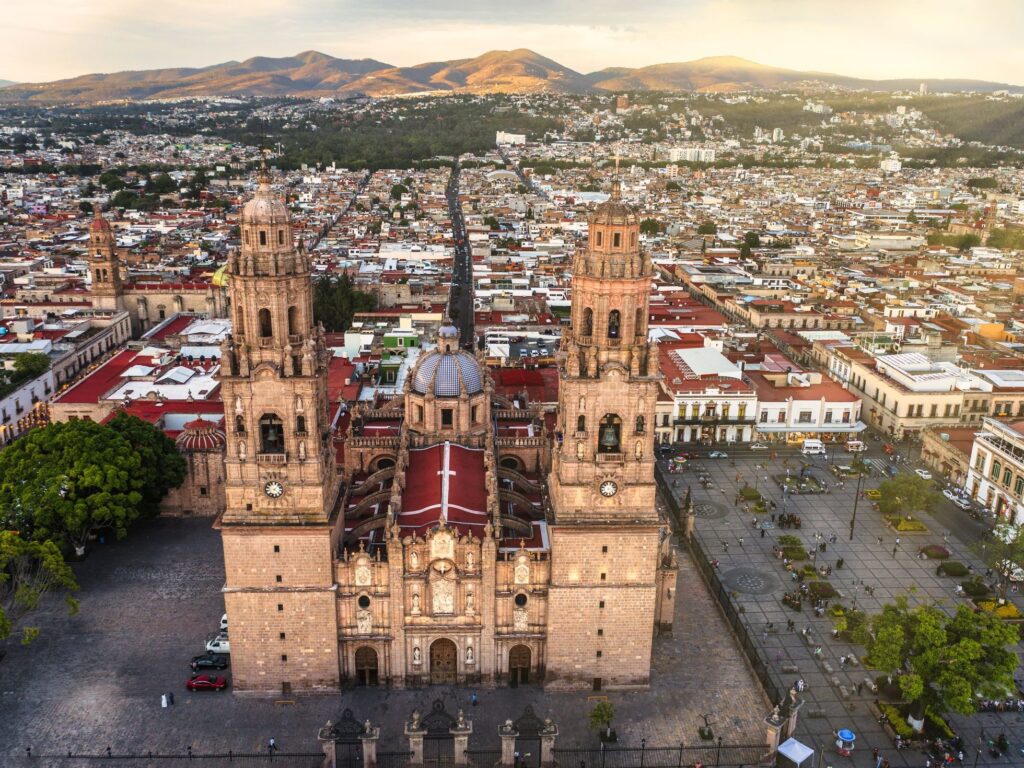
(794, 752)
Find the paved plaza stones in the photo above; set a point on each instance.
(744, 556)
(148, 603)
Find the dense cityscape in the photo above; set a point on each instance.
(625, 426)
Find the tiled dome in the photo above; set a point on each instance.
(447, 374)
(201, 435)
(613, 211)
(265, 207)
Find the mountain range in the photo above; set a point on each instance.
(314, 74)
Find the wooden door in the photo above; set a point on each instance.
(366, 666)
(443, 662)
(519, 665)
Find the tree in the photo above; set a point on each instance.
(85, 207)
(752, 239)
(707, 228)
(650, 227)
(944, 662)
(162, 467)
(29, 365)
(161, 184)
(111, 181)
(336, 300)
(911, 218)
(398, 190)
(65, 481)
(28, 571)
(906, 493)
(600, 717)
(673, 186)
(1004, 551)
(745, 251)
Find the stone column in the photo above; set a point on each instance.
(326, 739)
(548, 733)
(369, 737)
(508, 733)
(460, 734)
(793, 710)
(773, 726)
(414, 731)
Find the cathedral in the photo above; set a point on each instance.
(446, 535)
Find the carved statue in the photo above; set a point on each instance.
(462, 715)
(415, 602)
(241, 450)
(469, 561)
(469, 602)
(417, 658)
(414, 561)
(469, 654)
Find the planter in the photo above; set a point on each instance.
(609, 736)
(706, 733)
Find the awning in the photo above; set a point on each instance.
(795, 751)
(858, 426)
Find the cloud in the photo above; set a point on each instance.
(48, 39)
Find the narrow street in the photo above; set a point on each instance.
(460, 302)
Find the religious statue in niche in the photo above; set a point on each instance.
(469, 602)
(469, 654)
(362, 575)
(417, 657)
(415, 602)
(414, 561)
(469, 560)
(443, 593)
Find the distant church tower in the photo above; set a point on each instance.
(104, 265)
(605, 539)
(281, 524)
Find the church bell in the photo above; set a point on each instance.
(608, 439)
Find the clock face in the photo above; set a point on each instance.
(609, 488)
(274, 489)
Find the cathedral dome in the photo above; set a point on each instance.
(614, 212)
(447, 374)
(265, 208)
(201, 435)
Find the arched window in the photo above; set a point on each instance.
(263, 237)
(300, 425)
(266, 327)
(280, 237)
(616, 240)
(581, 423)
(588, 322)
(638, 323)
(240, 425)
(614, 321)
(271, 434)
(610, 434)
(293, 321)
(597, 237)
(640, 424)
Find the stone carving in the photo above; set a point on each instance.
(522, 571)
(469, 560)
(417, 658)
(415, 602)
(364, 622)
(442, 546)
(414, 561)
(580, 450)
(469, 656)
(443, 594)
(469, 602)
(241, 450)
(520, 620)
(363, 576)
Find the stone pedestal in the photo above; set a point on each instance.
(460, 736)
(792, 710)
(773, 730)
(369, 738)
(414, 732)
(548, 733)
(508, 733)
(326, 739)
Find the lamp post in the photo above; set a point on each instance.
(856, 497)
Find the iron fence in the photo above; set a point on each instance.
(199, 759)
(708, 755)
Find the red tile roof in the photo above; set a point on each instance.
(439, 469)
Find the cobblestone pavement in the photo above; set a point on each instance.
(147, 604)
(758, 580)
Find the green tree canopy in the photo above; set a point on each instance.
(162, 466)
(707, 228)
(398, 190)
(600, 716)
(65, 481)
(29, 570)
(336, 300)
(943, 662)
(906, 493)
(1004, 551)
(752, 239)
(650, 227)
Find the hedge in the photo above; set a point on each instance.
(935, 552)
(953, 568)
(975, 587)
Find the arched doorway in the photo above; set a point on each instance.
(443, 662)
(518, 666)
(366, 666)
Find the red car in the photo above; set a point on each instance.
(889, 449)
(207, 683)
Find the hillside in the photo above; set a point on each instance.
(312, 74)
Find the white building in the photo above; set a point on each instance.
(891, 165)
(691, 155)
(996, 474)
(503, 137)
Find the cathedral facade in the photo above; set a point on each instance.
(447, 535)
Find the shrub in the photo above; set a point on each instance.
(749, 493)
(937, 726)
(975, 587)
(900, 524)
(792, 547)
(1004, 611)
(838, 610)
(935, 552)
(822, 590)
(896, 720)
(953, 568)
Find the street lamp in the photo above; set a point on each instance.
(856, 498)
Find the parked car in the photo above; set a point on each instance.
(224, 623)
(759, 446)
(219, 644)
(924, 474)
(210, 661)
(207, 683)
(962, 503)
(718, 455)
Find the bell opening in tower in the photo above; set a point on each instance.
(271, 434)
(614, 320)
(611, 434)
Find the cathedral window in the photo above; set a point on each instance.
(588, 322)
(419, 414)
(638, 323)
(240, 425)
(296, 365)
(581, 423)
(246, 237)
(266, 326)
(271, 434)
(474, 413)
(364, 602)
(614, 321)
(610, 434)
(632, 240)
(280, 237)
(300, 424)
(520, 600)
(597, 237)
(263, 237)
(447, 417)
(640, 424)
(616, 240)
(293, 321)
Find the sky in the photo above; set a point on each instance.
(52, 39)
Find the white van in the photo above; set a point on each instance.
(813, 448)
(855, 446)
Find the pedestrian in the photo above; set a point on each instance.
(879, 539)
(741, 541)
(773, 517)
(272, 745)
(860, 687)
(726, 545)
(473, 699)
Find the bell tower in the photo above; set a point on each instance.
(605, 534)
(104, 265)
(280, 524)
